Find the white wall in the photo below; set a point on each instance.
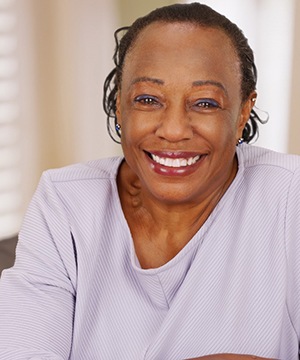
(94, 23)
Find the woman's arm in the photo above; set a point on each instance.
(37, 295)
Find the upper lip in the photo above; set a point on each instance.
(175, 154)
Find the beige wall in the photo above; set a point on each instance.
(129, 10)
(294, 133)
(66, 49)
(54, 91)
(72, 52)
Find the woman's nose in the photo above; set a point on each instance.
(174, 124)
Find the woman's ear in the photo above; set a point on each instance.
(245, 113)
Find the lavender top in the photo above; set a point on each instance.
(77, 291)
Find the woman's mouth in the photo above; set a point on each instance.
(174, 162)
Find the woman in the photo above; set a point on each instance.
(188, 246)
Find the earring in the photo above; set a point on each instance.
(118, 129)
(240, 141)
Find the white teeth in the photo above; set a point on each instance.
(169, 162)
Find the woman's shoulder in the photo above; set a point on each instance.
(106, 168)
(255, 156)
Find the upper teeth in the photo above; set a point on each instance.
(175, 162)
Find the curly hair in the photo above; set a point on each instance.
(194, 13)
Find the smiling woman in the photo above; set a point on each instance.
(181, 118)
(186, 247)
(178, 134)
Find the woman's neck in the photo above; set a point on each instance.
(159, 229)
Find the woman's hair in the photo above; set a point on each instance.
(195, 13)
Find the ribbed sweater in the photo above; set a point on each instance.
(77, 291)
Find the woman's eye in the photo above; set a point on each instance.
(146, 100)
(207, 104)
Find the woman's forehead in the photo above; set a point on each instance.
(176, 28)
(172, 47)
(162, 36)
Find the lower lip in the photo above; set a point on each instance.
(176, 171)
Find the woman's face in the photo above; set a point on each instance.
(180, 110)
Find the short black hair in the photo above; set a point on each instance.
(194, 13)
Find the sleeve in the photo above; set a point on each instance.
(292, 234)
(37, 295)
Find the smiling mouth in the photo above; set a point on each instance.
(174, 162)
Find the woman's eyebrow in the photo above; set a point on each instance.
(147, 79)
(210, 82)
(195, 83)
